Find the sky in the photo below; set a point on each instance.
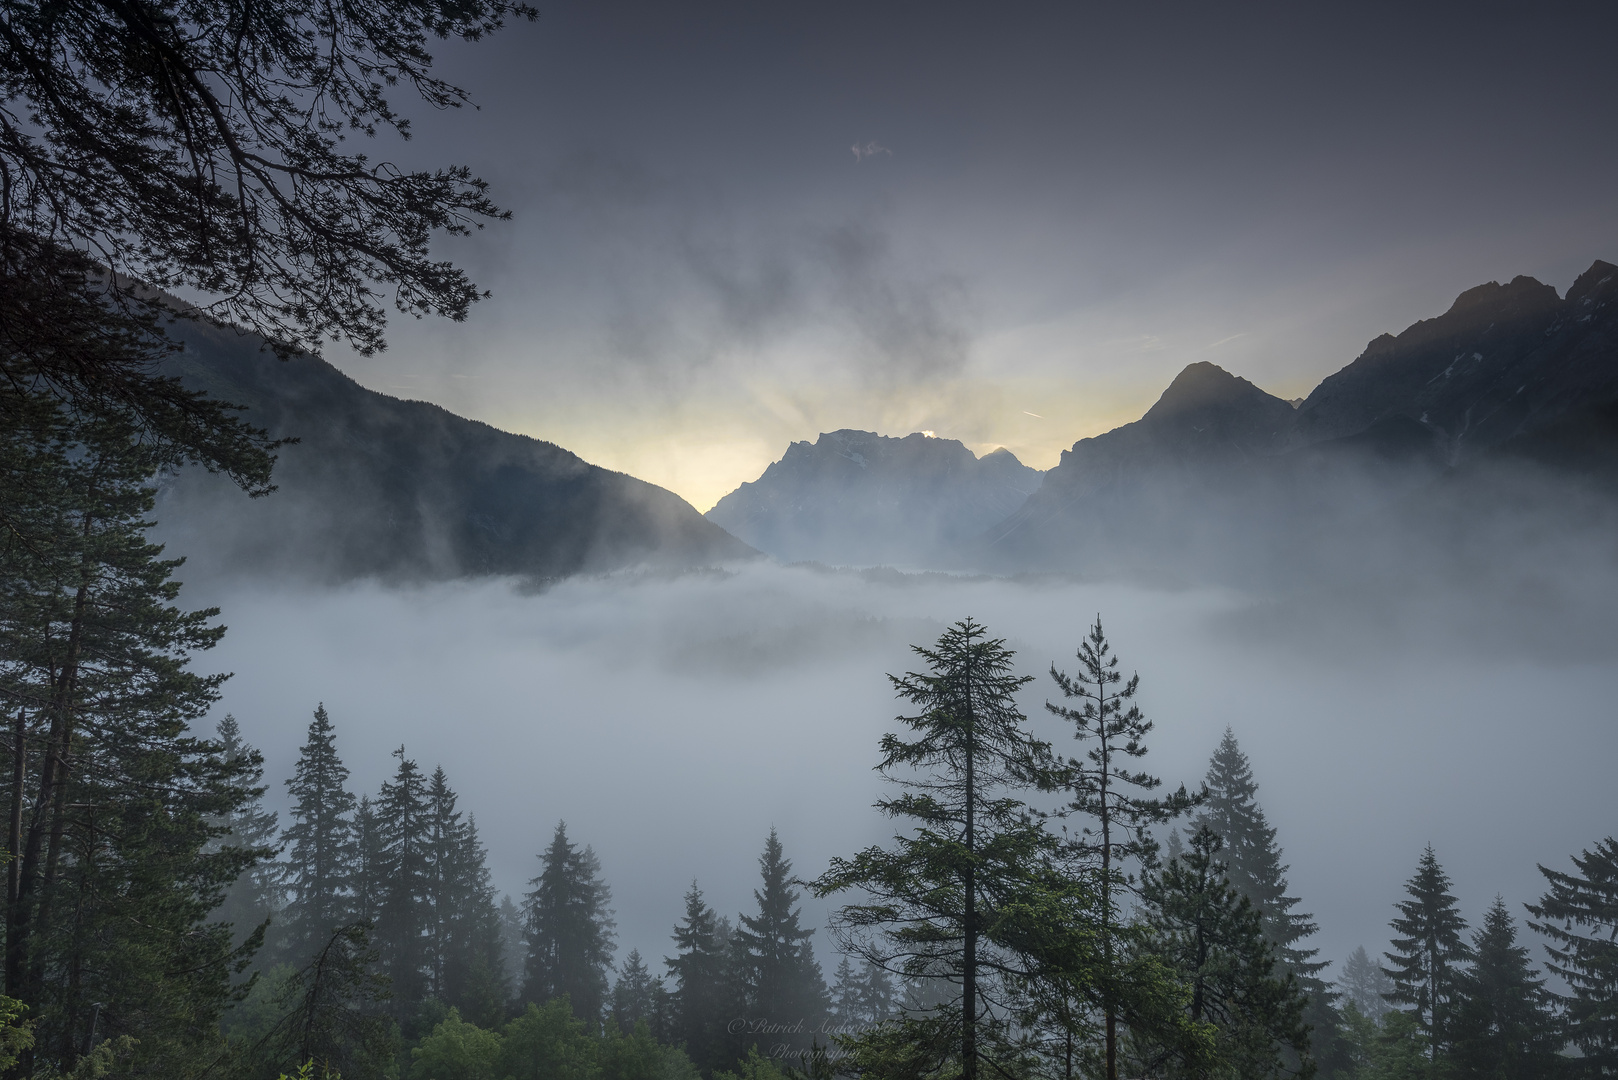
(735, 226)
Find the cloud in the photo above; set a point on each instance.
(673, 281)
(869, 150)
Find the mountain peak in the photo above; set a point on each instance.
(1203, 386)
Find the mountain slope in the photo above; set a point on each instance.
(1503, 362)
(858, 497)
(397, 489)
(1221, 480)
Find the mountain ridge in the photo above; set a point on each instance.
(857, 496)
(397, 489)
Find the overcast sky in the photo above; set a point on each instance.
(740, 225)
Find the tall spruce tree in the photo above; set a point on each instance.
(847, 997)
(967, 898)
(784, 986)
(256, 897)
(113, 804)
(569, 930)
(370, 862)
(1504, 1026)
(876, 997)
(321, 853)
(513, 951)
(1213, 938)
(1253, 858)
(638, 997)
(465, 968)
(1426, 964)
(403, 893)
(1579, 914)
(706, 996)
(1108, 791)
(1365, 985)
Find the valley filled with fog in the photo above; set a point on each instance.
(672, 718)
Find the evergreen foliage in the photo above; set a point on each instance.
(969, 900)
(1365, 985)
(1503, 1024)
(370, 864)
(1212, 937)
(1579, 914)
(403, 897)
(638, 997)
(569, 930)
(465, 967)
(320, 846)
(175, 142)
(113, 807)
(1427, 957)
(706, 996)
(848, 997)
(331, 1012)
(256, 897)
(784, 989)
(1107, 791)
(1253, 858)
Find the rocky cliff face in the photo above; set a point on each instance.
(1504, 362)
(862, 498)
(379, 487)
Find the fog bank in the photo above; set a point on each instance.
(672, 719)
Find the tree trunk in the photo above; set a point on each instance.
(969, 964)
(1106, 883)
(21, 980)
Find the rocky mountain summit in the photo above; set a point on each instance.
(858, 497)
(1218, 471)
(1222, 480)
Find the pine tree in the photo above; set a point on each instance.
(257, 896)
(784, 987)
(847, 997)
(403, 895)
(1106, 790)
(1579, 914)
(513, 951)
(1253, 858)
(875, 992)
(1201, 925)
(1426, 964)
(112, 802)
(465, 969)
(968, 896)
(638, 997)
(1503, 1025)
(1365, 985)
(370, 862)
(569, 930)
(705, 997)
(320, 845)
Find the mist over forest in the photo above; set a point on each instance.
(630, 542)
(1372, 732)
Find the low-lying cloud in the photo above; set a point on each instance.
(672, 719)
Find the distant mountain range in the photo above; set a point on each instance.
(1220, 479)
(1430, 438)
(858, 497)
(404, 490)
